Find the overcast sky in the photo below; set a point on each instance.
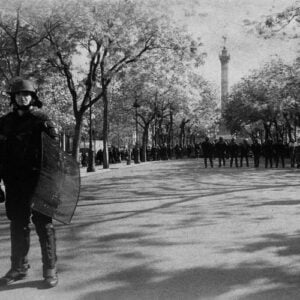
(212, 19)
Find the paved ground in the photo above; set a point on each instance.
(174, 230)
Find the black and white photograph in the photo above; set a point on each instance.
(150, 149)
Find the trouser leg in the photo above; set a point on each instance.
(211, 161)
(46, 233)
(20, 244)
(257, 161)
(282, 161)
(292, 161)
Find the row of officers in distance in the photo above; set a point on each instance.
(273, 153)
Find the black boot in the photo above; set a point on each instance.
(17, 272)
(20, 242)
(47, 240)
(50, 277)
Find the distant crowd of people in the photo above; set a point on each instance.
(215, 152)
(274, 154)
(115, 156)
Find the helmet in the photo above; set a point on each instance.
(22, 85)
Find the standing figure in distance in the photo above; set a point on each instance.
(279, 151)
(233, 151)
(297, 153)
(221, 148)
(268, 152)
(244, 149)
(256, 150)
(20, 162)
(207, 149)
(292, 147)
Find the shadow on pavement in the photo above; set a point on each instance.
(279, 202)
(285, 245)
(37, 284)
(253, 281)
(124, 217)
(187, 183)
(157, 196)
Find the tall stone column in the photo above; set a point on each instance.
(224, 58)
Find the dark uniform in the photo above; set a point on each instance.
(233, 151)
(292, 147)
(297, 154)
(20, 146)
(268, 152)
(178, 151)
(244, 152)
(279, 152)
(256, 150)
(207, 149)
(164, 152)
(221, 148)
(154, 153)
(99, 157)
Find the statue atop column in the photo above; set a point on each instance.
(224, 59)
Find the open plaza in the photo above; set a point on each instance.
(174, 230)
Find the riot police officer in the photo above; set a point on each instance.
(292, 147)
(256, 150)
(268, 152)
(244, 152)
(207, 149)
(233, 151)
(20, 147)
(221, 148)
(279, 152)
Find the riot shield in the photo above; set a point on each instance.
(57, 191)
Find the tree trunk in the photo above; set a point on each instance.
(105, 131)
(145, 142)
(160, 133)
(153, 135)
(171, 135)
(181, 134)
(267, 131)
(155, 131)
(276, 130)
(77, 137)
(261, 136)
(288, 128)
